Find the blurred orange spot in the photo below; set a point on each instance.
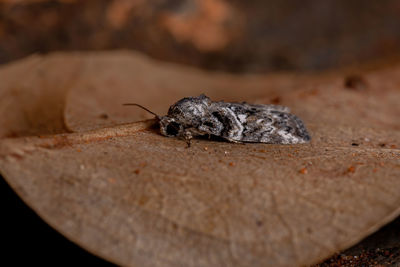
(210, 24)
(351, 169)
(303, 170)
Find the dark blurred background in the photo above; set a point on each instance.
(231, 35)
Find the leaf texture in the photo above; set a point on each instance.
(134, 197)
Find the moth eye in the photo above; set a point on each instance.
(172, 128)
(209, 124)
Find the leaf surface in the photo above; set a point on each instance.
(130, 195)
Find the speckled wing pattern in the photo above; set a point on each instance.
(235, 122)
(263, 123)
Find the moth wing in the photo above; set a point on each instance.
(262, 107)
(275, 127)
(254, 108)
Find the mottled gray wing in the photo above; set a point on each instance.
(274, 127)
(242, 122)
(268, 107)
(253, 107)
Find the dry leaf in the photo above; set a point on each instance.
(32, 94)
(137, 198)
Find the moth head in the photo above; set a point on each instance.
(190, 110)
(170, 127)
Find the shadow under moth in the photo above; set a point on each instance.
(234, 122)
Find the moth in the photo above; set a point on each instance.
(234, 122)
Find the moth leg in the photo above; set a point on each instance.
(188, 142)
(187, 135)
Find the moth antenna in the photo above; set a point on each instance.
(140, 106)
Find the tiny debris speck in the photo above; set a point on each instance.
(351, 169)
(303, 170)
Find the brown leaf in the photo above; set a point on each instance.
(32, 95)
(138, 198)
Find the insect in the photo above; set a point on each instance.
(234, 122)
